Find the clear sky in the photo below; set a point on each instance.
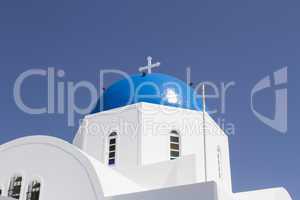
(222, 41)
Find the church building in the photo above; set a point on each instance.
(148, 138)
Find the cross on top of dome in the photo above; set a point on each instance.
(149, 66)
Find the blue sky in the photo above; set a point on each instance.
(222, 41)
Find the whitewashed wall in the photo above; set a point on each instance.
(200, 191)
(144, 138)
(64, 172)
(92, 136)
(155, 142)
(269, 194)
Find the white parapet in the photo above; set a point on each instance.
(267, 194)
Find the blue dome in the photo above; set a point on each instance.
(153, 88)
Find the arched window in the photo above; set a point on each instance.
(219, 157)
(15, 187)
(33, 192)
(112, 148)
(174, 145)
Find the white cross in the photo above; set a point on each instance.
(149, 66)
